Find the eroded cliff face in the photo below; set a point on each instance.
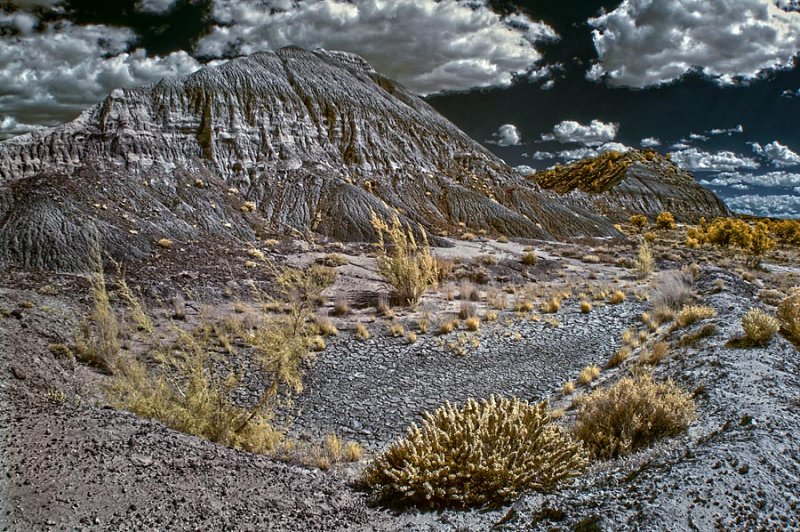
(637, 182)
(315, 140)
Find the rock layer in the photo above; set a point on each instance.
(292, 139)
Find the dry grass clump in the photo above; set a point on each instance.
(407, 266)
(789, 315)
(654, 356)
(665, 220)
(448, 326)
(396, 329)
(588, 374)
(631, 414)
(341, 307)
(467, 309)
(473, 323)
(362, 333)
(529, 258)
(165, 243)
(568, 387)
(384, 308)
(622, 354)
(552, 306)
(334, 260)
(692, 339)
(97, 342)
(586, 307)
(759, 327)
(485, 452)
(325, 327)
(617, 297)
(444, 268)
(523, 305)
(644, 264)
(411, 337)
(691, 314)
(490, 315)
(318, 344)
(467, 291)
(673, 290)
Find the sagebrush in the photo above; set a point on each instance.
(486, 452)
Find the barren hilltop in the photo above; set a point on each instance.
(283, 293)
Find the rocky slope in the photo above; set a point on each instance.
(636, 182)
(312, 141)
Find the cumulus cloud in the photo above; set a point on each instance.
(595, 134)
(542, 155)
(727, 131)
(777, 153)
(155, 6)
(506, 135)
(698, 160)
(51, 76)
(427, 45)
(651, 42)
(650, 142)
(524, 169)
(782, 205)
(769, 179)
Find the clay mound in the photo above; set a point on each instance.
(636, 182)
(291, 140)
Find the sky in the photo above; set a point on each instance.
(538, 82)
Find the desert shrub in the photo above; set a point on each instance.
(97, 342)
(588, 374)
(586, 307)
(617, 297)
(334, 260)
(631, 414)
(341, 307)
(444, 268)
(729, 232)
(529, 258)
(325, 327)
(138, 313)
(467, 309)
(490, 315)
(650, 237)
(473, 323)
(406, 265)
(659, 351)
(787, 231)
(760, 243)
(759, 327)
(639, 222)
(411, 337)
(552, 306)
(770, 296)
(644, 264)
(467, 291)
(446, 327)
(693, 338)
(789, 315)
(486, 452)
(691, 314)
(396, 329)
(665, 220)
(620, 356)
(568, 387)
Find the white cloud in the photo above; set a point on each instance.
(427, 45)
(50, 77)
(524, 169)
(697, 136)
(694, 159)
(155, 6)
(650, 142)
(777, 153)
(542, 155)
(680, 146)
(651, 42)
(595, 134)
(770, 179)
(728, 131)
(782, 206)
(506, 135)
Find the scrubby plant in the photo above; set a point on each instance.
(691, 314)
(655, 355)
(789, 315)
(693, 338)
(397, 329)
(529, 258)
(644, 264)
(631, 414)
(665, 220)
(490, 315)
(334, 260)
(759, 327)
(411, 337)
(362, 333)
(444, 268)
(97, 342)
(586, 307)
(588, 374)
(341, 307)
(568, 387)
(673, 290)
(325, 327)
(448, 326)
(406, 265)
(486, 452)
(467, 309)
(473, 323)
(552, 306)
(620, 356)
(617, 297)
(639, 222)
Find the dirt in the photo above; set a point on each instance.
(69, 462)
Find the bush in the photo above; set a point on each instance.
(529, 258)
(617, 297)
(644, 264)
(97, 342)
(639, 221)
(588, 374)
(789, 315)
(485, 452)
(673, 290)
(665, 220)
(759, 327)
(406, 265)
(691, 314)
(631, 414)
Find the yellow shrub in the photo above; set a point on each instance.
(362, 333)
(588, 374)
(692, 314)
(622, 354)
(631, 414)
(484, 452)
(644, 264)
(789, 315)
(639, 222)
(759, 327)
(665, 220)
(617, 297)
(586, 307)
(473, 323)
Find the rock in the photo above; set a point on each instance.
(276, 141)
